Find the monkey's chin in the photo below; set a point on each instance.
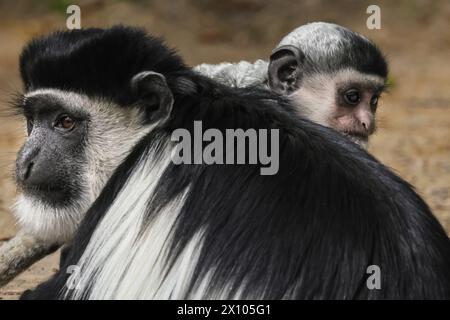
(48, 223)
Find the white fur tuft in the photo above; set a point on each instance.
(130, 265)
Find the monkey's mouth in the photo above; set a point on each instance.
(49, 192)
(357, 136)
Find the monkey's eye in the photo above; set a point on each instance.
(65, 123)
(352, 96)
(374, 101)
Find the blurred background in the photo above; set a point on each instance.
(414, 117)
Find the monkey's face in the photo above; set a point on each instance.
(74, 143)
(345, 101)
(50, 159)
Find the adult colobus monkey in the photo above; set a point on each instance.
(65, 162)
(332, 75)
(166, 230)
(314, 63)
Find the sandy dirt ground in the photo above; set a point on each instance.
(414, 117)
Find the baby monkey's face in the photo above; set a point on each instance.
(346, 101)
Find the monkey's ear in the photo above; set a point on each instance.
(285, 69)
(153, 94)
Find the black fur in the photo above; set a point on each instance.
(94, 61)
(308, 232)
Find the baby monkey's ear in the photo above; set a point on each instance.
(286, 69)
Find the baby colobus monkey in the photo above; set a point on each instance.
(334, 77)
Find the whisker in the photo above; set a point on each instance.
(12, 103)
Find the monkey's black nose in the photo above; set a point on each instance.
(28, 170)
(23, 172)
(26, 164)
(35, 174)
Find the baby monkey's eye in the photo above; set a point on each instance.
(374, 101)
(352, 96)
(65, 122)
